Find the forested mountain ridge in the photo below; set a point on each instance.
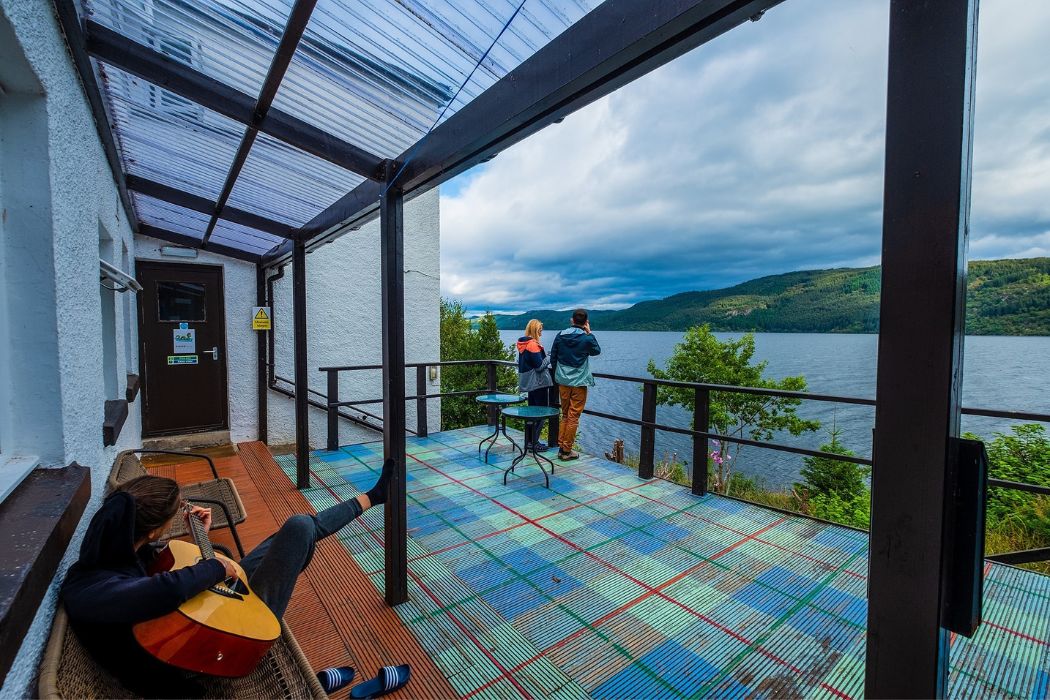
(1005, 297)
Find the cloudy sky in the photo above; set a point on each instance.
(759, 153)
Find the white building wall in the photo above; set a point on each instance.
(81, 199)
(344, 322)
(80, 203)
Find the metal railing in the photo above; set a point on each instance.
(700, 432)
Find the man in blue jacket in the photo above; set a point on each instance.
(570, 357)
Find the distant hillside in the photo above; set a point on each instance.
(1006, 297)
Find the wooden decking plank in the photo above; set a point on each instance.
(366, 624)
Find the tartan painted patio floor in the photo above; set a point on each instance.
(608, 586)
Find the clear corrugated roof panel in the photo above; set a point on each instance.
(169, 217)
(378, 73)
(283, 183)
(242, 237)
(232, 41)
(164, 138)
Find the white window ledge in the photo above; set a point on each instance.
(13, 469)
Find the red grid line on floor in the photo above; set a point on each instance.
(650, 591)
(504, 674)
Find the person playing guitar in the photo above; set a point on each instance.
(108, 590)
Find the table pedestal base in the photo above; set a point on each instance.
(537, 457)
(500, 426)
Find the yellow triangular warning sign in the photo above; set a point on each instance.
(261, 319)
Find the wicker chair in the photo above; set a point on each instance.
(218, 492)
(68, 671)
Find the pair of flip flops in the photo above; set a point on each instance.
(387, 680)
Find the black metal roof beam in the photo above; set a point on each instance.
(75, 39)
(191, 242)
(117, 50)
(293, 32)
(204, 205)
(617, 42)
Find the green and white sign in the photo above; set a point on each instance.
(182, 359)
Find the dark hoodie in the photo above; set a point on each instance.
(530, 354)
(107, 591)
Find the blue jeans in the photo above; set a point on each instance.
(275, 564)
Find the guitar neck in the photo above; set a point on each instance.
(201, 537)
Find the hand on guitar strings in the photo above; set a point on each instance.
(202, 514)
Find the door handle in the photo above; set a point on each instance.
(214, 353)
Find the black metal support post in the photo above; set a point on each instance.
(932, 55)
(647, 444)
(490, 377)
(392, 259)
(260, 339)
(333, 410)
(421, 404)
(302, 388)
(701, 422)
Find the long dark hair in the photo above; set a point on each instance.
(157, 499)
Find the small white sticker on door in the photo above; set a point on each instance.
(185, 341)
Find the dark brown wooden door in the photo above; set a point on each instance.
(182, 341)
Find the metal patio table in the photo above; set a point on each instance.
(500, 400)
(532, 415)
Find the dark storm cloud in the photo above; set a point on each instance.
(757, 154)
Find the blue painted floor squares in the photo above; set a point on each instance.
(609, 586)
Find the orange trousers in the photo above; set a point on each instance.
(573, 399)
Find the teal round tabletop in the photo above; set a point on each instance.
(530, 412)
(502, 399)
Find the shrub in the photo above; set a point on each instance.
(835, 490)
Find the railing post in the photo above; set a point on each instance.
(490, 370)
(701, 422)
(421, 404)
(333, 410)
(647, 449)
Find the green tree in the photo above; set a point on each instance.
(835, 490)
(701, 357)
(461, 340)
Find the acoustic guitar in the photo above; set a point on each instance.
(223, 631)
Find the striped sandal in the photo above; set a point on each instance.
(387, 680)
(336, 678)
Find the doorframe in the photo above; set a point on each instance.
(140, 263)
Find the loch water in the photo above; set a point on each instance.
(1006, 373)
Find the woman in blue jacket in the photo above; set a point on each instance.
(533, 358)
